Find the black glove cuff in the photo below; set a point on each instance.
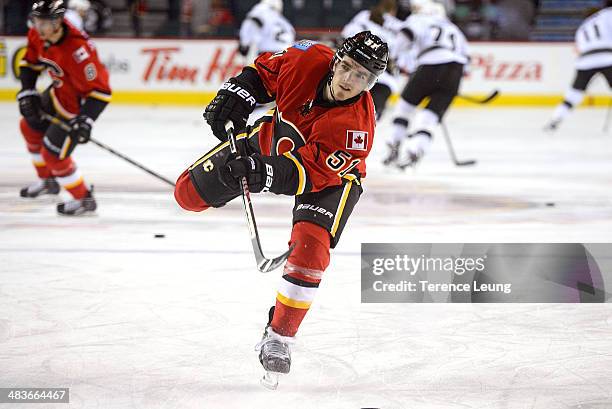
(250, 76)
(28, 77)
(93, 107)
(280, 175)
(24, 93)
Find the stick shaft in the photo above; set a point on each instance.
(107, 148)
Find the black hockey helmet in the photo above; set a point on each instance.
(48, 9)
(367, 49)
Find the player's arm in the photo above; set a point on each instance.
(405, 39)
(235, 101)
(353, 27)
(392, 23)
(276, 174)
(93, 80)
(250, 31)
(30, 104)
(311, 168)
(319, 164)
(238, 96)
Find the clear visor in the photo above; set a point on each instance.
(350, 71)
(45, 25)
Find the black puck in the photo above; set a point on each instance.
(550, 204)
(159, 236)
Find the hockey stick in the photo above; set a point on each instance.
(451, 150)
(107, 148)
(485, 100)
(264, 264)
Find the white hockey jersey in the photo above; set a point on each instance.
(431, 40)
(361, 22)
(266, 29)
(75, 18)
(594, 41)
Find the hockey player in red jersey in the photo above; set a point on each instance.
(313, 146)
(79, 94)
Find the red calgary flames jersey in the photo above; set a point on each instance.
(74, 66)
(332, 142)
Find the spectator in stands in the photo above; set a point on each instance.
(470, 17)
(514, 19)
(194, 17)
(210, 19)
(15, 16)
(222, 20)
(100, 17)
(136, 9)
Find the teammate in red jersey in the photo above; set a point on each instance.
(79, 94)
(312, 146)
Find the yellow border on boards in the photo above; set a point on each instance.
(202, 98)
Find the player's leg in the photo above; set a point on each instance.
(46, 184)
(33, 133)
(199, 186)
(319, 219)
(447, 78)
(56, 152)
(418, 87)
(419, 141)
(573, 98)
(380, 94)
(382, 90)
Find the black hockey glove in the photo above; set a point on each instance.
(259, 175)
(243, 50)
(234, 102)
(80, 128)
(30, 105)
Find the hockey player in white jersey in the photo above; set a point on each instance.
(77, 13)
(594, 44)
(441, 52)
(375, 20)
(265, 29)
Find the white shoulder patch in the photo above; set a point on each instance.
(80, 55)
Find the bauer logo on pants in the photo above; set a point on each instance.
(357, 140)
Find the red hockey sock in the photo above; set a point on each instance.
(33, 140)
(301, 278)
(186, 195)
(66, 173)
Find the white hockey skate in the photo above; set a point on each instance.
(410, 160)
(392, 153)
(274, 356)
(552, 126)
(41, 187)
(77, 207)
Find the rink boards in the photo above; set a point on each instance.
(188, 72)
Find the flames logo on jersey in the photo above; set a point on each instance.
(52, 66)
(287, 137)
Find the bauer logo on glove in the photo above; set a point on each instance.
(241, 92)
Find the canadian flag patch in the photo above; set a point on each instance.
(357, 140)
(80, 55)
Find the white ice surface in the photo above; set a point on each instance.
(125, 320)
